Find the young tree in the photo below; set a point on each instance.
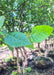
(40, 33)
(18, 40)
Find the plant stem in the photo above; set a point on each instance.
(38, 45)
(12, 54)
(39, 48)
(18, 65)
(45, 43)
(25, 55)
(46, 47)
(23, 61)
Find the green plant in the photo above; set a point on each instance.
(15, 67)
(14, 73)
(40, 33)
(28, 69)
(17, 40)
(9, 68)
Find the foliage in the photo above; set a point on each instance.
(11, 48)
(14, 73)
(2, 18)
(40, 33)
(28, 69)
(28, 35)
(22, 15)
(17, 39)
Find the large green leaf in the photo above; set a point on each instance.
(29, 46)
(2, 18)
(17, 39)
(11, 48)
(40, 33)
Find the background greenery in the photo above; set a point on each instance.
(23, 15)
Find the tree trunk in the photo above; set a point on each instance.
(18, 65)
